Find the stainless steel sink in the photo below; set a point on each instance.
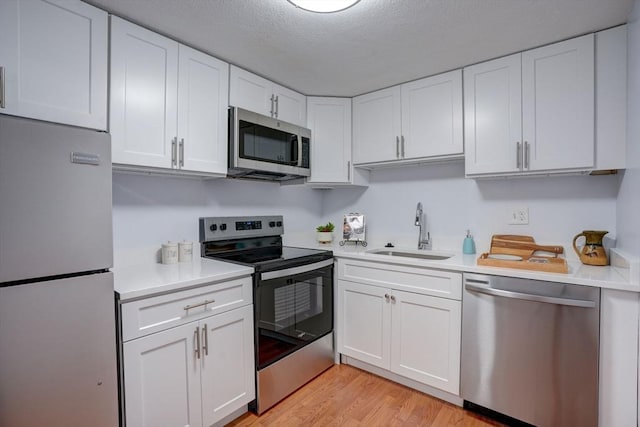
(434, 256)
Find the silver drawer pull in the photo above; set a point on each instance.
(189, 307)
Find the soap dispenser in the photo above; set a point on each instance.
(468, 246)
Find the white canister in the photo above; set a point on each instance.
(185, 251)
(169, 253)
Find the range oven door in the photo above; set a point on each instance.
(294, 307)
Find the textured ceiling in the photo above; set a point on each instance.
(374, 44)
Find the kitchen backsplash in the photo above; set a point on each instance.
(148, 210)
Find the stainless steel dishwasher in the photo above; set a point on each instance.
(530, 350)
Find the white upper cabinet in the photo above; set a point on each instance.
(144, 89)
(168, 104)
(558, 102)
(203, 88)
(377, 126)
(493, 116)
(432, 116)
(416, 121)
(532, 112)
(257, 94)
(611, 98)
(330, 122)
(53, 55)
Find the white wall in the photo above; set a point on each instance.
(628, 208)
(149, 210)
(559, 207)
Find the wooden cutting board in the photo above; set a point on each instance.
(524, 246)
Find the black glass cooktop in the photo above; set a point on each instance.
(265, 253)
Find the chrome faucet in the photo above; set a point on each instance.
(420, 222)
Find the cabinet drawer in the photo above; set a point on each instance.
(419, 280)
(158, 313)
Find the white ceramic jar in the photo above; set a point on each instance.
(185, 251)
(169, 253)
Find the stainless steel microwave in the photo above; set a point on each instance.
(262, 147)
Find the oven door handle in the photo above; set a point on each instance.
(295, 270)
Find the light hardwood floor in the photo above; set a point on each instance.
(347, 396)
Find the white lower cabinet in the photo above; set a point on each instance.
(413, 334)
(194, 374)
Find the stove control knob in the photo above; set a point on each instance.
(272, 224)
(223, 227)
(213, 227)
(279, 223)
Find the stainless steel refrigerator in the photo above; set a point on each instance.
(57, 321)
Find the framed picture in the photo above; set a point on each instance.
(353, 228)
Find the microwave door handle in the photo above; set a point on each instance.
(299, 151)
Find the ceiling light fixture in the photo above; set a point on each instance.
(323, 6)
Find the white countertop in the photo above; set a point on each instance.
(150, 278)
(603, 277)
(146, 277)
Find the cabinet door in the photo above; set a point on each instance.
(227, 363)
(558, 105)
(251, 92)
(144, 90)
(432, 116)
(330, 122)
(493, 116)
(425, 339)
(290, 106)
(376, 126)
(203, 97)
(54, 55)
(364, 323)
(162, 379)
(611, 98)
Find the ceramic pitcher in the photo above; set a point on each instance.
(592, 253)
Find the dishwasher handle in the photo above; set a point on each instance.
(529, 297)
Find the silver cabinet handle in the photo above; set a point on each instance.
(393, 298)
(197, 342)
(205, 340)
(277, 106)
(181, 153)
(174, 151)
(530, 297)
(526, 155)
(349, 170)
(397, 147)
(272, 106)
(518, 155)
(2, 103)
(205, 302)
(402, 145)
(386, 296)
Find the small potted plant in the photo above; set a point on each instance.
(325, 232)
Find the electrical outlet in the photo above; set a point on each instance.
(519, 216)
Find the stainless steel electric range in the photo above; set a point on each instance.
(292, 297)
